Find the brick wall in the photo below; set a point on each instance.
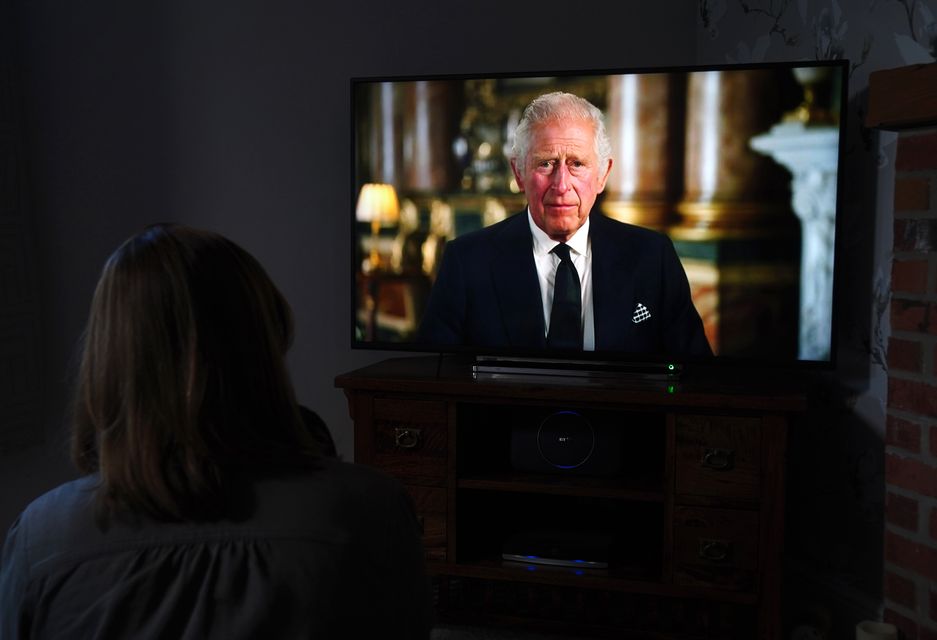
(910, 581)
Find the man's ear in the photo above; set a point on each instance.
(518, 178)
(604, 178)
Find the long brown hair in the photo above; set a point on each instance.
(182, 384)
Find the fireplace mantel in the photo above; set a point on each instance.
(903, 98)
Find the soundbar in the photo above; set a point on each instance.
(581, 371)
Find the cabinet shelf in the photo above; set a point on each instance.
(613, 581)
(615, 488)
(597, 579)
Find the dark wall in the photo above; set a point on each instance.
(235, 117)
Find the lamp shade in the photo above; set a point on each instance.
(377, 203)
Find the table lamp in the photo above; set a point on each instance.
(377, 204)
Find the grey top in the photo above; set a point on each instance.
(329, 553)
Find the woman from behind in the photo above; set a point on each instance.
(207, 507)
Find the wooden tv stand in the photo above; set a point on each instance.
(694, 509)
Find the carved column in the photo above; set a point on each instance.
(811, 155)
(645, 126)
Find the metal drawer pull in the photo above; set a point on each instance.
(714, 550)
(406, 437)
(718, 459)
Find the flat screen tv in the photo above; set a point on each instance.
(720, 202)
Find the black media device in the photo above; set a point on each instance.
(567, 442)
(559, 548)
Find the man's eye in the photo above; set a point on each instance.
(545, 164)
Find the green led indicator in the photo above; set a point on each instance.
(671, 367)
(671, 388)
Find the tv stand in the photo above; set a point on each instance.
(692, 499)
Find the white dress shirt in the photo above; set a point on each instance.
(581, 254)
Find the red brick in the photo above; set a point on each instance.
(915, 234)
(906, 626)
(933, 523)
(912, 194)
(910, 315)
(901, 511)
(911, 395)
(909, 276)
(911, 474)
(933, 441)
(903, 433)
(916, 152)
(900, 590)
(905, 355)
(913, 556)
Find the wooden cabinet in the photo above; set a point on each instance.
(682, 495)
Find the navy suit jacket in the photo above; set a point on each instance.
(487, 293)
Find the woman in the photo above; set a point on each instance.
(208, 507)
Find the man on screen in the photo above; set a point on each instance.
(558, 276)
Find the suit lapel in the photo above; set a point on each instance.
(516, 284)
(613, 294)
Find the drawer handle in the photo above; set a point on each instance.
(714, 550)
(718, 459)
(406, 437)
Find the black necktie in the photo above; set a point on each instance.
(566, 314)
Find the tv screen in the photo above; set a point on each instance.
(697, 208)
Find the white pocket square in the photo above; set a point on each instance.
(640, 314)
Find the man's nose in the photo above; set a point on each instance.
(561, 178)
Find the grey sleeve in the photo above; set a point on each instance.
(14, 572)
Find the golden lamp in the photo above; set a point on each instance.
(377, 204)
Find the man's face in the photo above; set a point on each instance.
(561, 176)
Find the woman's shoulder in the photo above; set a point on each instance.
(358, 474)
(56, 520)
(336, 500)
(335, 496)
(62, 507)
(354, 486)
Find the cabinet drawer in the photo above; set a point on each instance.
(715, 547)
(410, 439)
(718, 456)
(430, 506)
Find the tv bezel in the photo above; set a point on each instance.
(610, 359)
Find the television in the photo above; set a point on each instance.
(737, 166)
